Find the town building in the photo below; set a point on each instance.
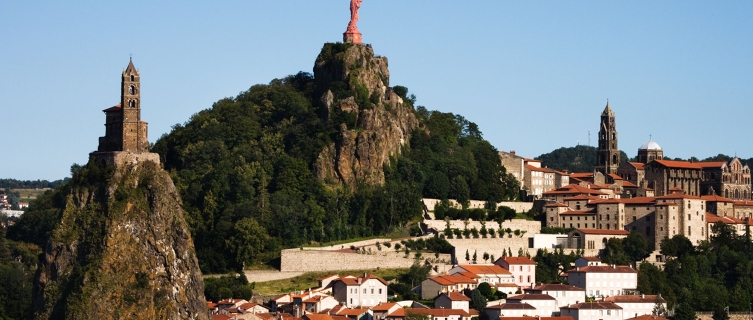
(593, 310)
(432, 287)
(452, 300)
(637, 305)
(604, 280)
(523, 269)
(365, 291)
(563, 294)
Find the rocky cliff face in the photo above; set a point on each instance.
(122, 250)
(375, 123)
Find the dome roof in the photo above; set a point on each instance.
(650, 145)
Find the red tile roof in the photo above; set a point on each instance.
(438, 312)
(615, 176)
(574, 189)
(636, 200)
(353, 312)
(591, 258)
(450, 280)
(637, 165)
(384, 306)
(678, 196)
(603, 269)
(635, 299)
(715, 198)
(556, 204)
(555, 287)
(711, 164)
(744, 203)
(113, 108)
(518, 260)
(316, 316)
(512, 306)
(531, 296)
(712, 218)
(582, 175)
(594, 305)
(602, 231)
(581, 197)
(456, 296)
(485, 269)
(677, 164)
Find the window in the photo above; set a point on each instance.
(380, 291)
(372, 291)
(132, 77)
(364, 291)
(634, 218)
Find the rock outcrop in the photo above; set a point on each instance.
(122, 250)
(374, 122)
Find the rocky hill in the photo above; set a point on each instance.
(122, 250)
(380, 122)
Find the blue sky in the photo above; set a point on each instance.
(534, 75)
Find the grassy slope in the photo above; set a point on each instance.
(309, 280)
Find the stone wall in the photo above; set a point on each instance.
(319, 260)
(531, 227)
(494, 246)
(518, 206)
(121, 158)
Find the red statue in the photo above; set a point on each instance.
(352, 35)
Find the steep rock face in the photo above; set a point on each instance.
(375, 121)
(122, 250)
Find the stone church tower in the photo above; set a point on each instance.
(124, 130)
(608, 155)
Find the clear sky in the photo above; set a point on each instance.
(534, 75)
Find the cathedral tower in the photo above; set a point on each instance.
(608, 155)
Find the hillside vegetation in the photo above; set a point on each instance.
(244, 169)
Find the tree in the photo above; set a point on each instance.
(460, 191)
(685, 311)
(467, 256)
(248, 240)
(659, 309)
(636, 247)
(478, 301)
(677, 246)
(475, 256)
(614, 253)
(486, 290)
(720, 313)
(485, 256)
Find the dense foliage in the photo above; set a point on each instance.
(30, 184)
(575, 159)
(18, 262)
(710, 277)
(244, 171)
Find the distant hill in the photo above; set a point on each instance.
(583, 159)
(574, 159)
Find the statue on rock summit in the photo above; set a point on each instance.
(352, 35)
